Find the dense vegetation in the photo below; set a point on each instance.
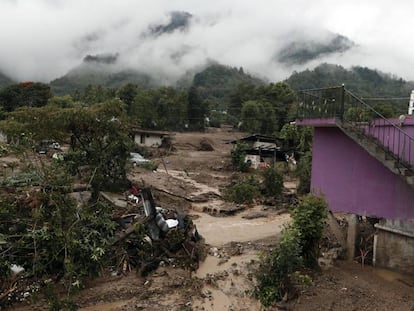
(217, 83)
(91, 74)
(26, 94)
(362, 81)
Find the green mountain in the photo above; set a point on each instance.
(362, 81)
(217, 82)
(98, 70)
(5, 80)
(214, 83)
(301, 52)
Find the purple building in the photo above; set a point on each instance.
(363, 164)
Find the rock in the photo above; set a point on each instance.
(205, 145)
(255, 215)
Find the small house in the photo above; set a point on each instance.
(149, 138)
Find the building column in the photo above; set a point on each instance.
(351, 236)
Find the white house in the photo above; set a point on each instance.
(150, 138)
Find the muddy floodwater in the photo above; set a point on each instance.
(232, 292)
(221, 230)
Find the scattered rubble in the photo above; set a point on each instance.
(150, 235)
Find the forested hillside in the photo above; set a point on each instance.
(217, 83)
(362, 81)
(96, 74)
(218, 93)
(4, 80)
(301, 52)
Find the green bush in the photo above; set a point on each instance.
(303, 172)
(244, 191)
(309, 217)
(280, 272)
(272, 181)
(275, 270)
(238, 156)
(151, 165)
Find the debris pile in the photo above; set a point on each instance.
(150, 236)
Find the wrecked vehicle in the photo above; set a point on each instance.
(137, 159)
(45, 145)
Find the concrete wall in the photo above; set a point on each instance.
(394, 251)
(254, 160)
(354, 182)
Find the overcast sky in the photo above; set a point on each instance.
(43, 39)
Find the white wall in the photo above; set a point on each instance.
(411, 104)
(148, 140)
(3, 138)
(254, 160)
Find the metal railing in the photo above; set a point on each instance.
(354, 115)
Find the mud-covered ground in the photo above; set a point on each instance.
(190, 181)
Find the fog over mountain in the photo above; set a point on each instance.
(44, 39)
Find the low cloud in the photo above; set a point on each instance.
(43, 39)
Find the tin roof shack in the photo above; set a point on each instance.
(261, 150)
(150, 138)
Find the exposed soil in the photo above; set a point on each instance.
(190, 180)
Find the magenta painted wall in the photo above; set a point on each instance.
(355, 182)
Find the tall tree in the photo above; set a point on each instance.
(164, 108)
(127, 94)
(280, 96)
(251, 116)
(243, 93)
(197, 110)
(99, 139)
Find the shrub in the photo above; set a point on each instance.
(272, 181)
(238, 156)
(243, 191)
(275, 270)
(309, 217)
(279, 272)
(151, 165)
(303, 172)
